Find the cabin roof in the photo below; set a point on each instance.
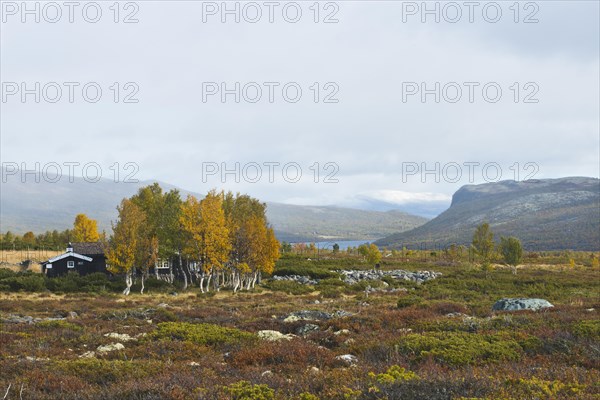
(68, 254)
(88, 248)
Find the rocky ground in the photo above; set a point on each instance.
(454, 333)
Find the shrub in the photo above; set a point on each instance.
(244, 390)
(27, 281)
(461, 348)
(59, 324)
(394, 374)
(408, 301)
(535, 388)
(164, 315)
(75, 283)
(289, 287)
(202, 334)
(104, 371)
(589, 329)
(287, 356)
(307, 396)
(332, 282)
(306, 270)
(330, 292)
(151, 284)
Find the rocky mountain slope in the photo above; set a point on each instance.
(546, 214)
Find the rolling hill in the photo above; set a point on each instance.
(45, 206)
(546, 214)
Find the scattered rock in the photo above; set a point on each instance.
(72, 315)
(26, 319)
(88, 354)
(110, 347)
(274, 336)
(349, 359)
(341, 314)
(314, 315)
(123, 337)
(16, 319)
(313, 370)
(521, 304)
(355, 276)
(34, 359)
(163, 305)
(457, 315)
(193, 364)
(306, 329)
(590, 309)
(342, 332)
(266, 373)
(301, 279)
(317, 302)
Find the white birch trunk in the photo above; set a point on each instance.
(128, 282)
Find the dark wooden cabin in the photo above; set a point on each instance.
(84, 258)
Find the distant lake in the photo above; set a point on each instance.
(344, 244)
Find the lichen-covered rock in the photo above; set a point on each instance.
(314, 315)
(88, 354)
(353, 276)
(307, 315)
(274, 336)
(110, 347)
(123, 337)
(306, 329)
(521, 304)
(348, 359)
(301, 279)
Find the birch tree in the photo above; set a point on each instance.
(124, 249)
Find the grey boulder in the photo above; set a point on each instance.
(521, 304)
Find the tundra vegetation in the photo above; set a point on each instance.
(78, 337)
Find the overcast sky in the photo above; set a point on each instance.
(369, 58)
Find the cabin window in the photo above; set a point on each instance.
(80, 263)
(48, 266)
(162, 264)
(70, 264)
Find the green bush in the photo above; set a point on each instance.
(589, 329)
(26, 281)
(461, 348)
(164, 315)
(244, 390)
(201, 334)
(289, 287)
(101, 372)
(332, 282)
(394, 374)
(151, 284)
(59, 324)
(408, 301)
(306, 270)
(74, 283)
(6, 273)
(330, 292)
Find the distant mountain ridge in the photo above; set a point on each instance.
(45, 206)
(545, 214)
